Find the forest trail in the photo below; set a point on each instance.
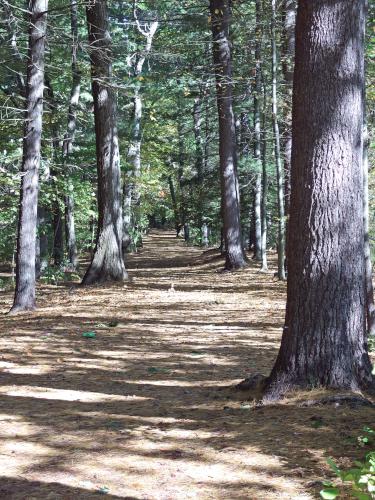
(143, 410)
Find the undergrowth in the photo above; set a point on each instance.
(360, 479)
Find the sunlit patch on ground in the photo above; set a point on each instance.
(143, 410)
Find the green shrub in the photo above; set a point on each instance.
(360, 479)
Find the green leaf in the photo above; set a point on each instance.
(329, 493)
(361, 496)
(89, 335)
(333, 466)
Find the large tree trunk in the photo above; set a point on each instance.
(220, 19)
(70, 233)
(107, 263)
(24, 298)
(324, 342)
(279, 169)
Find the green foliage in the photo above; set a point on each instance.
(52, 275)
(360, 479)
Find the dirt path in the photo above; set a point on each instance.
(140, 411)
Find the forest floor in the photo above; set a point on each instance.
(145, 410)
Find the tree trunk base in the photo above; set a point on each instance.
(19, 309)
(100, 278)
(277, 388)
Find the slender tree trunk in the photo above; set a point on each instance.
(205, 235)
(181, 165)
(288, 66)
(324, 338)
(257, 211)
(43, 238)
(370, 306)
(279, 168)
(220, 20)
(24, 298)
(57, 219)
(199, 157)
(70, 233)
(264, 182)
(132, 196)
(41, 250)
(107, 263)
(58, 235)
(197, 119)
(257, 137)
(174, 204)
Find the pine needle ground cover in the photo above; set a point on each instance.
(145, 408)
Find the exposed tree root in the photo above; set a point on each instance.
(350, 400)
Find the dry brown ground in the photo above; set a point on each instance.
(140, 411)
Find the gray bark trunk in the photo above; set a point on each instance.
(57, 225)
(257, 137)
(288, 66)
(107, 263)
(279, 168)
(24, 298)
(220, 19)
(132, 198)
(370, 306)
(324, 338)
(264, 183)
(70, 233)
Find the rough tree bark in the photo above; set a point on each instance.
(174, 205)
(324, 337)
(41, 249)
(70, 234)
(24, 298)
(257, 136)
(180, 173)
(131, 191)
(107, 263)
(289, 23)
(220, 20)
(57, 218)
(264, 181)
(279, 169)
(370, 306)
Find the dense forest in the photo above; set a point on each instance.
(171, 173)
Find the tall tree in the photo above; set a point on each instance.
(131, 189)
(257, 135)
(220, 21)
(279, 169)
(264, 182)
(289, 24)
(107, 263)
(24, 298)
(323, 341)
(70, 233)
